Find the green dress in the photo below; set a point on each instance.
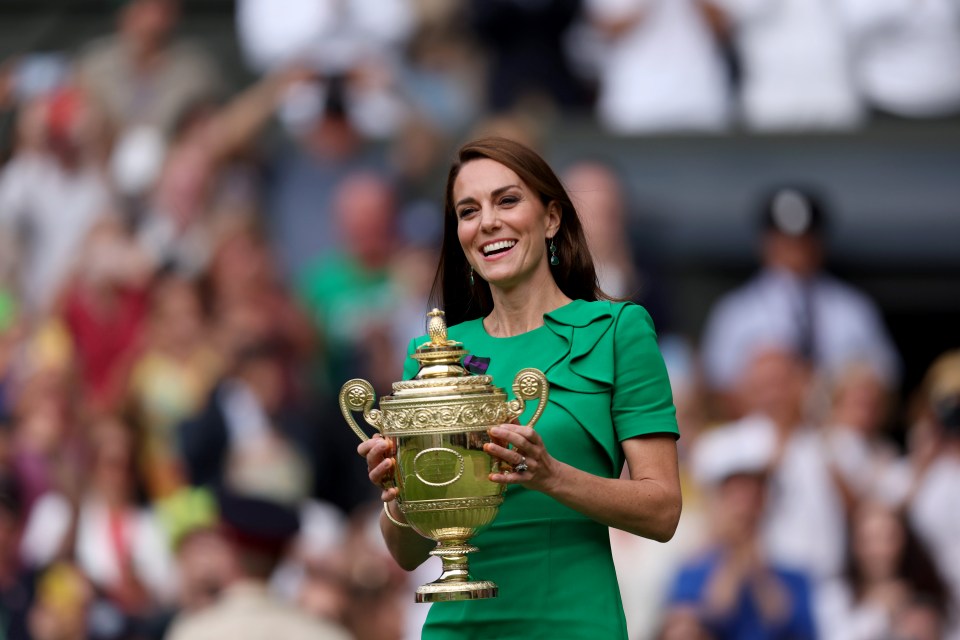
(553, 564)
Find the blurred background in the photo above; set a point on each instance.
(213, 213)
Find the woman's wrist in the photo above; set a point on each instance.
(391, 518)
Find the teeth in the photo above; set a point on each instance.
(497, 246)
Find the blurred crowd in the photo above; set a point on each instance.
(190, 270)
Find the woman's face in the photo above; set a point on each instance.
(878, 540)
(502, 224)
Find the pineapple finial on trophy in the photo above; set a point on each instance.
(437, 327)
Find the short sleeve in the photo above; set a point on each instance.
(642, 398)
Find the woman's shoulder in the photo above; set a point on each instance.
(580, 313)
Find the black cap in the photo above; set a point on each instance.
(257, 523)
(793, 211)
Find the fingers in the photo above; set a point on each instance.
(381, 465)
(511, 457)
(382, 472)
(521, 437)
(375, 449)
(519, 448)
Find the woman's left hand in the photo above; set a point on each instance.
(527, 463)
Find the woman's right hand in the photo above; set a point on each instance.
(381, 464)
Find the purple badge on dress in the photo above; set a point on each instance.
(476, 364)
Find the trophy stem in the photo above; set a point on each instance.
(455, 582)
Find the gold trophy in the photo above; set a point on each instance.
(439, 422)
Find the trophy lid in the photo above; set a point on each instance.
(439, 357)
(441, 368)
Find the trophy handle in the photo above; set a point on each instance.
(358, 395)
(527, 385)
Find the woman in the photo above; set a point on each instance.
(888, 570)
(518, 285)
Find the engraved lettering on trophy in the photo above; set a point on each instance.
(433, 466)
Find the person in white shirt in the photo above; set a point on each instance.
(935, 464)
(907, 55)
(661, 69)
(792, 301)
(804, 525)
(794, 57)
(360, 42)
(51, 197)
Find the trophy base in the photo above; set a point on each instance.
(456, 591)
(455, 583)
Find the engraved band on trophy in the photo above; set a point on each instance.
(439, 422)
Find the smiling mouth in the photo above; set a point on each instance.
(498, 247)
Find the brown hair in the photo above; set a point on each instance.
(575, 275)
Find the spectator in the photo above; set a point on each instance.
(528, 62)
(736, 589)
(205, 174)
(794, 57)
(444, 81)
(104, 310)
(117, 542)
(62, 609)
(251, 302)
(904, 53)
(661, 70)
(356, 44)
(202, 552)
(324, 590)
(379, 591)
(601, 201)
(258, 532)
(51, 195)
(865, 461)
(934, 441)
(306, 172)
(887, 569)
(43, 438)
(171, 378)
(793, 301)
(919, 620)
(141, 75)
(804, 524)
(250, 438)
(350, 293)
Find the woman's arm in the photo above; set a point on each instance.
(646, 504)
(406, 546)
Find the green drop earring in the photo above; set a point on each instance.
(471, 276)
(554, 260)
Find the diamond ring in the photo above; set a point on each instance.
(521, 466)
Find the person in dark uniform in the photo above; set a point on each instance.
(259, 532)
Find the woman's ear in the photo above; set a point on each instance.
(554, 216)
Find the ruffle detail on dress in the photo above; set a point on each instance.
(581, 375)
(580, 366)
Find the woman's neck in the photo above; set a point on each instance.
(521, 309)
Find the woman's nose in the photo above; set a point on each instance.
(489, 218)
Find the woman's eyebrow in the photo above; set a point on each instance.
(496, 192)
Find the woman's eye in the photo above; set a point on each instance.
(507, 201)
(466, 212)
